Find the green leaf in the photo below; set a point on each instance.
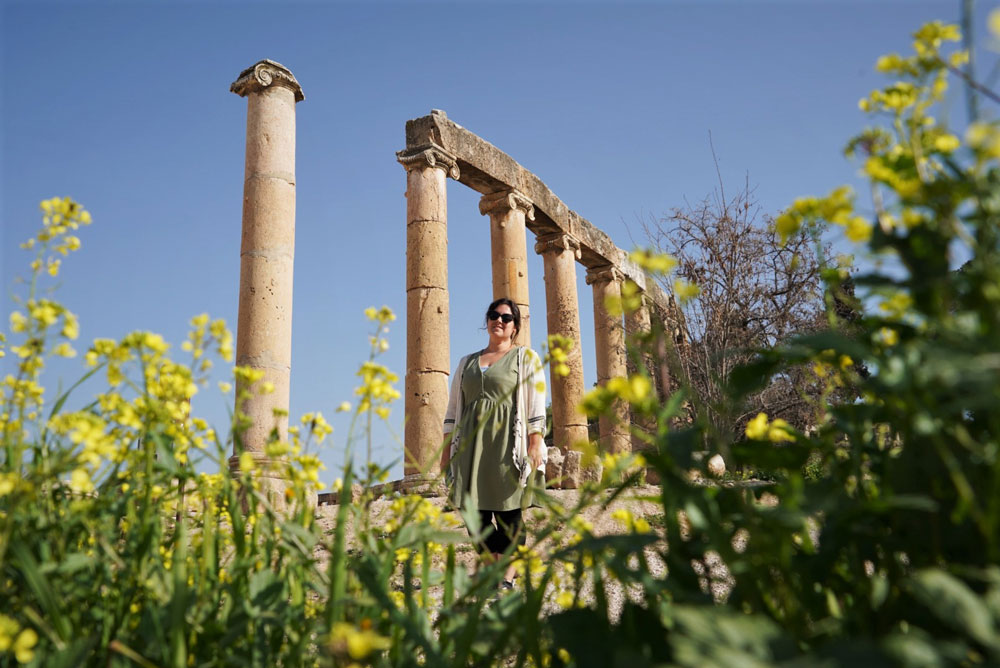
(957, 606)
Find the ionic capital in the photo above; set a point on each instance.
(429, 155)
(507, 200)
(263, 75)
(556, 243)
(604, 274)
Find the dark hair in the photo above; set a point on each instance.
(514, 311)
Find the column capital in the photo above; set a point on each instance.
(605, 273)
(430, 155)
(507, 200)
(265, 74)
(557, 242)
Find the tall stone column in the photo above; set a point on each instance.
(638, 326)
(267, 251)
(559, 255)
(508, 210)
(427, 344)
(609, 340)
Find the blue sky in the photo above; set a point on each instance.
(126, 108)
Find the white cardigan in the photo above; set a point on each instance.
(530, 402)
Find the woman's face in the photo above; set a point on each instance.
(498, 329)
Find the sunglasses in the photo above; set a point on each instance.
(503, 317)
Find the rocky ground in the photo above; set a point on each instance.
(641, 502)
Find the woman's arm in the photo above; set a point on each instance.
(536, 410)
(535, 449)
(451, 414)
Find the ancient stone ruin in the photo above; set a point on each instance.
(515, 200)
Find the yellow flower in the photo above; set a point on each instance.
(777, 431)
(858, 229)
(888, 336)
(655, 263)
(685, 291)
(24, 646)
(64, 350)
(757, 427)
(225, 388)
(344, 407)
(946, 143)
(246, 462)
(80, 481)
(994, 22)
(564, 599)
(787, 225)
(18, 323)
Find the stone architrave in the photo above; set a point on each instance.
(427, 343)
(508, 210)
(267, 251)
(609, 340)
(559, 255)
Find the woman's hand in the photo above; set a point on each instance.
(535, 445)
(446, 452)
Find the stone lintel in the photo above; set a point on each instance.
(551, 243)
(487, 170)
(264, 74)
(430, 155)
(506, 200)
(604, 274)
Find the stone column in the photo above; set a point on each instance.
(267, 251)
(637, 327)
(559, 255)
(427, 349)
(508, 210)
(609, 340)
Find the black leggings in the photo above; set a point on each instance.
(508, 530)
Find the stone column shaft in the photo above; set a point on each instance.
(609, 341)
(508, 210)
(267, 249)
(559, 255)
(427, 341)
(637, 325)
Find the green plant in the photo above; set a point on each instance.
(878, 542)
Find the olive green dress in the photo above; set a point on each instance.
(484, 470)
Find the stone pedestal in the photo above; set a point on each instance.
(427, 341)
(508, 210)
(267, 250)
(559, 255)
(609, 341)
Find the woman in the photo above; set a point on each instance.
(494, 424)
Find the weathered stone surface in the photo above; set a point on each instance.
(424, 241)
(592, 471)
(263, 75)
(267, 250)
(427, 327)
(426, 194)
(508, 242)
(716, 466)
(487, 169)
(427, 332)
(426, 398)
(572, 476)
(609, 341)
(554, 468)
(559, 254)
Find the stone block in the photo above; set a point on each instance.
(554, 468)
(571, 469)
(717, 466)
